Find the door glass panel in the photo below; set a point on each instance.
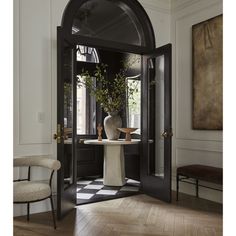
(105, 19)
(156, 117)
(81, 110)
(134, 104)
(68, 117)
(86, 110)
(86, 54)
(86, 104)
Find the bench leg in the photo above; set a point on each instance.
(197, 188)
(177, 187)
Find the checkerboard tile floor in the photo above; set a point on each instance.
(92, 190)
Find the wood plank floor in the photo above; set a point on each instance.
(132, 216)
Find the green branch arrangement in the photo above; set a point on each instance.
(110, 93)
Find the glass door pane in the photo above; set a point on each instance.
(156, 124)
(68, 117)
(157, 98)
(105, 19)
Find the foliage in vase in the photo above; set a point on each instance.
(110, 93)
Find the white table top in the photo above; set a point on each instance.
(111, 142)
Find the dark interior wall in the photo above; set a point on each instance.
(92, 164)
(114, 62)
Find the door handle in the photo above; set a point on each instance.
(167, 134)
(58, 136)
(164, 134)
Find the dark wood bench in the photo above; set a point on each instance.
(198, 172)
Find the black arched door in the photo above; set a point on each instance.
(121, 26)
(156, 124)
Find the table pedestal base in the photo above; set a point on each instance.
(114, 167)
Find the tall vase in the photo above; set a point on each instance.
(111, 123)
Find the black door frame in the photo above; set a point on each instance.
(150, 183)
(64, 197)
(65, 35)
(134, 8)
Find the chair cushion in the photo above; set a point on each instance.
(26, 191)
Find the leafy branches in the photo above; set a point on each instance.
(110, 93)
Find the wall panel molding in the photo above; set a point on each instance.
(200, 145)
(16, 71)
(190, 146)
(183, 76)
(185, 156)
(34, 85)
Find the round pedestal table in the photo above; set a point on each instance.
(114, 165)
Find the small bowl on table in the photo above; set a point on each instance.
(127, 132)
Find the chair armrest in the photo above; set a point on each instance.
(42, 161)
(18, 180)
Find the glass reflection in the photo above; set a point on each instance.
(104, 19)
(159, 140)
(134, 104)
(68, 117)
(156, 117)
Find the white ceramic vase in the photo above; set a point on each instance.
(111, 123)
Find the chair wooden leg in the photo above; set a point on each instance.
(28, 210)
(53, 214)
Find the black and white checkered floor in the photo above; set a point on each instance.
(92, 190)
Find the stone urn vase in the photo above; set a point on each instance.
(111, 123)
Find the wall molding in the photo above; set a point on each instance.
(16, 71)
(177, 5)
(184, 13)
(197, 149)
(162, 6)
(18, 80)
(176, 149)
(188, 133)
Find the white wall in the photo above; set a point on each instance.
(35, 60)
(191, 146)
(35, 23)
(159, 12)
(35, 118)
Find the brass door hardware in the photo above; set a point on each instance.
(167, 134)
(164, 134)
(58, 136)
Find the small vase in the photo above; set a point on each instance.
(111, 123)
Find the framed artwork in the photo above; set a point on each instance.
(207, 69)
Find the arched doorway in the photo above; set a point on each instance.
(119, 28)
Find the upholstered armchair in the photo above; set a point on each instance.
(28, 191)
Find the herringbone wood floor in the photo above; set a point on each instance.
(137, 215)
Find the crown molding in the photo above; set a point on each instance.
(163, 6)
(177, 5)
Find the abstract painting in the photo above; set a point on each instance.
(207, 69)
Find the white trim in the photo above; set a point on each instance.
(163, 6)
(177, 5)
